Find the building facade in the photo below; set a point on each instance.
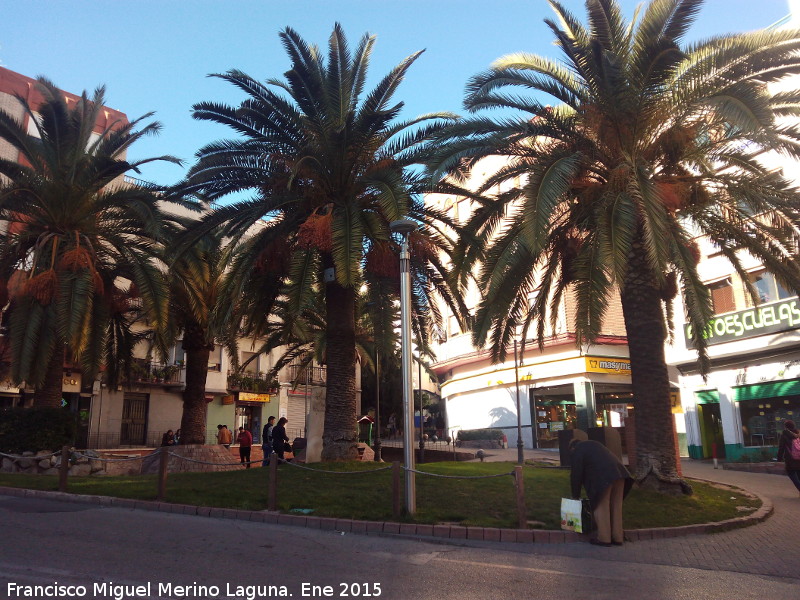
(138, 412)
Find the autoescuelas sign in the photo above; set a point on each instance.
(759, 320)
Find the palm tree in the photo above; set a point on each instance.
(78, 235)
(329, 174)
(647, 144)
(197, 313)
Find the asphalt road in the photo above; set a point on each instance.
(118, 553)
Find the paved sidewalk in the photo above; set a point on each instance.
(768, 548)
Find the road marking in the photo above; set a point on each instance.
(530, 569)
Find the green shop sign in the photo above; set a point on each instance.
(759, 320)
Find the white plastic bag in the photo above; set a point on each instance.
(571, 515)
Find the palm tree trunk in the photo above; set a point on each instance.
(50, 392)
(193, 419)
(656, 459)
(339, 441)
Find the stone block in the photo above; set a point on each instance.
(79, 470)
(8, 466)
(44, 463)
(408, 528)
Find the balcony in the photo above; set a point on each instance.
(252, 382)
(316, 375)
(144, 372)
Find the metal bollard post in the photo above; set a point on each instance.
(522, 515)
(63, 469)
(163, 463)
(272, 494)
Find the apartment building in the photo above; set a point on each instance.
(737, 411)
(140, 410)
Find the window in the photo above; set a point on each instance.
(179, 353)
(763, 418)
(722, 296)
(452, 326)
(215, 359)
(252, 366)
(768, 289)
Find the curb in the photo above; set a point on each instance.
(444, 533)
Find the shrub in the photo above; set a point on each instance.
(35, 429)
(466, 435)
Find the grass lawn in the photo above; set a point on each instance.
(364, 495)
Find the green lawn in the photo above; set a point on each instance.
(478, 502)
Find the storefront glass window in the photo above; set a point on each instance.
(763, 418)
(554, 414)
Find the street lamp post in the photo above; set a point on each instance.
(378, 457)
(520, 453)
(405, 227)
(421, 420)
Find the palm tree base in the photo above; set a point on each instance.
(654, 480)
(342, 447)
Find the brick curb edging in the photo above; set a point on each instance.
(439, 532)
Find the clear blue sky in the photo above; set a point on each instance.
(154, 55)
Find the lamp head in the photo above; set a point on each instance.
(403, 226)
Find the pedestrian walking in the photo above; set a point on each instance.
(245, 441)
(785, 446)
(280, 441)
(607, 482)
(266, 440)
(224, 436)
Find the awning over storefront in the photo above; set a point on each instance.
(707, 397)
(770, 389)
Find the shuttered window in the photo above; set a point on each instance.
(722, 297)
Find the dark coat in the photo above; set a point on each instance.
(595, 467)
(279, 438)
(784, 453)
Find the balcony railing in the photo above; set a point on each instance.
(252, 382)
(149, 373)
(316, 375)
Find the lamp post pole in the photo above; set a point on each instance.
(520, 453)
(404, 227)
(421, 420)
(377, 404)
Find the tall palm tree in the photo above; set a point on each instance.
(647, 144)
(329, 173)
(197, 314)
(78, 235)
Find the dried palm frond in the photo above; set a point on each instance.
(382, 261)
(316, 232)
(43, 287)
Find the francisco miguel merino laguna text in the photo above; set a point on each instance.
(145, 590)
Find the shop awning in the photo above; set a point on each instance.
(707, 397)
(770, 389)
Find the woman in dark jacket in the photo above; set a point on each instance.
(607, 482)
(279, 437)
(789, 435)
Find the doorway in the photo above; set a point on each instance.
(711, 429)
(133, 428)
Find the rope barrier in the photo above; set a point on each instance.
(333, 472)
(460, 476)
(37, 457)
